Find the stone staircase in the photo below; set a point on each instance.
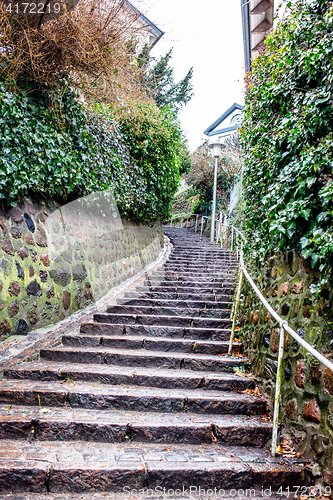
(145, 396)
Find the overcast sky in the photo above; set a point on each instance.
(208, 36)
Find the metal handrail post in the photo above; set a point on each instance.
(196, 223)
(236, 310)
(232, 238)
(278, 392)
(202, 223)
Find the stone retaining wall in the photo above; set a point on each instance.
(55, 261)
(307, 390)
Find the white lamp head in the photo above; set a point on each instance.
(216, 147)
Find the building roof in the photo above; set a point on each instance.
(211, 130)
(154, 31)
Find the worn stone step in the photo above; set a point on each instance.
(169, 311)
(140, 319)
(189, 277)
(133, 398)
(191, 304)
(211, 269)
(218, 297)
(151, 344)
(199, 288)
(76, 466)
(218, 334)
(128, 357)
(123, 375)
(175, 285)
(144, 377)
(66, 424)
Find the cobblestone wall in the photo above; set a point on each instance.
(307, 402)
(54, 262)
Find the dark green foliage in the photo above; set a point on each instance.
(160, 84)
(288, 141)
(67, 151)
(154, 140)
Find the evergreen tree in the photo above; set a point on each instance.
(159, 81)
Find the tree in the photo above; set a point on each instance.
(159, 81)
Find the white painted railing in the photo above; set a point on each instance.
(234, 239)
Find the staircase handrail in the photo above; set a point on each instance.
(284, 327)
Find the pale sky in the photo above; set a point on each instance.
(208, 36)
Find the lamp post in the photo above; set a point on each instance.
(216, 147)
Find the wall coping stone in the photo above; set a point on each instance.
(18, 348)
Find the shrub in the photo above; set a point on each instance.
(287, 139)
(69, 151)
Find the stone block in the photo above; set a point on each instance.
(284, 289)
(44, 257)
(328, 477)
(3, 227)
(13, 309)
(29, 239)
(23, 253)
(315, 374)
(14, 288)
(21, 327)
(7, 247)
(4, 328)
(34, 288)
(319, 444)
(255, 317)
(29, 222)
(291, 409)
(43, 276)
(328, 380)
(17, 215)
(300, 374)
(297, 287)
(66, 299)
(311, 411)
(275, 340)
(16, 233)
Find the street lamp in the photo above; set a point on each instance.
(216, 147)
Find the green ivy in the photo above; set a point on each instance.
(68, 151)
(287, 138)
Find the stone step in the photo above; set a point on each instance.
(218, 334)
(218, 297)
(182, 277)
(226, 288)
(76, 466)
(151, 344)
(191, 304)
(127, 357)
(130, 398)
(67, 424)
(171, 311)
(210, 286)
(141, 319)
(123, 375)
(209, 268)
